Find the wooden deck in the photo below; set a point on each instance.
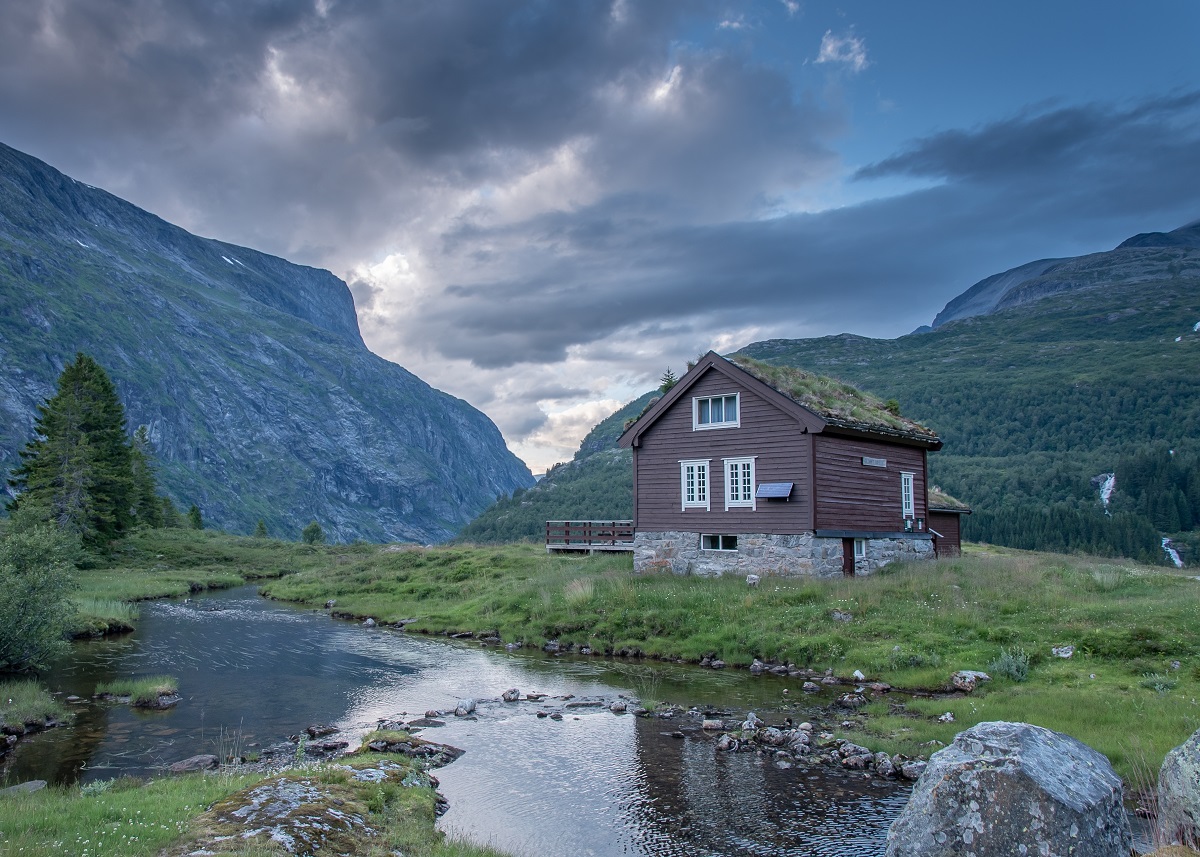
(589, 536)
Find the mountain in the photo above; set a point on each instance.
(1043, 381)
(595, 485)
(259, 393)
(1035, 280)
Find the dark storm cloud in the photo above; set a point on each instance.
(604, 272)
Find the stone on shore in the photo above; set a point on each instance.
(203, 762)
(1011, 788)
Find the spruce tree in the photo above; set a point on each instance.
(260, 529)
(194, 518)
(77, 472)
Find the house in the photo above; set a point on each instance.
(743, 467)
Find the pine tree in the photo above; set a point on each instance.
(194, 518)
(77, 472)
(170, 514)
(260, 529)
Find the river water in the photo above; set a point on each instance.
(252, 672)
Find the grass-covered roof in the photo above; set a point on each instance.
(939, 499)
(837, 403)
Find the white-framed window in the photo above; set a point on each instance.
(739, 482)
(906, 495)
(710, 412)
(693, 483)
(714, 542)
(860, 548)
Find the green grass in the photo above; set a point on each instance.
(126, 819)
(26, 701)
(143, 691)
(171, 816)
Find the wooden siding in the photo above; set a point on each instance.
(782, 450)
(852, 496)
(949, 525)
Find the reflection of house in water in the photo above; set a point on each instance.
(740, 803)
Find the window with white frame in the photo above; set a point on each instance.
(906, 494)
(714, 542)
(693, 479)
(860, 548)
(739, 482)
(711, 412)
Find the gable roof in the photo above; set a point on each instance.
(817, 402)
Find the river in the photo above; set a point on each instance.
(252, 671)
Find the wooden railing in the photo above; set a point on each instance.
(589, 535)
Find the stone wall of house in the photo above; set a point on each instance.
(801, 555)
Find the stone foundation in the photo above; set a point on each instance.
(801, 555)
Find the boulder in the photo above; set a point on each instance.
(465, 707)
(27, 786)
(1179, 794)
(203, 762)
(966, 680)
(511, 695)
(1012, 788)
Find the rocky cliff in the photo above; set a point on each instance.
(260, 396)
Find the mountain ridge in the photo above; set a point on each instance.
(250, 372)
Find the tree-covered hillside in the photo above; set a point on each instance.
(597, 484)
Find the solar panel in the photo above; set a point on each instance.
(773, 491)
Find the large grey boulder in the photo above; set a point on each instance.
(1004, 789)
(1179, 794)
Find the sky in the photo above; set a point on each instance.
(541, 206)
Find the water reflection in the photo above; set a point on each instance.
(593, 783)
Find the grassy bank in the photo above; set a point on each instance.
(1129, 690)
(25, 701)
(171, 563)
(184, 814)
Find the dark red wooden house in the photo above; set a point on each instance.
(744, 467)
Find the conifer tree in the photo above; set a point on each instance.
(147, 506)
(77, 471)
(260, 529)
(194, 518)
(170, 514)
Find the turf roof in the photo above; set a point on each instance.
(837, 403)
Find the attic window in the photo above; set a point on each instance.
(711, 412)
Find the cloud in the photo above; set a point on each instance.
(1045, 139)
(848, 50)
(540, 206)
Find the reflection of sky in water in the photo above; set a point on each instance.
(593, 783)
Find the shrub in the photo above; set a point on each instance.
(313, 534)
(35, 585)
(1012, 663)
